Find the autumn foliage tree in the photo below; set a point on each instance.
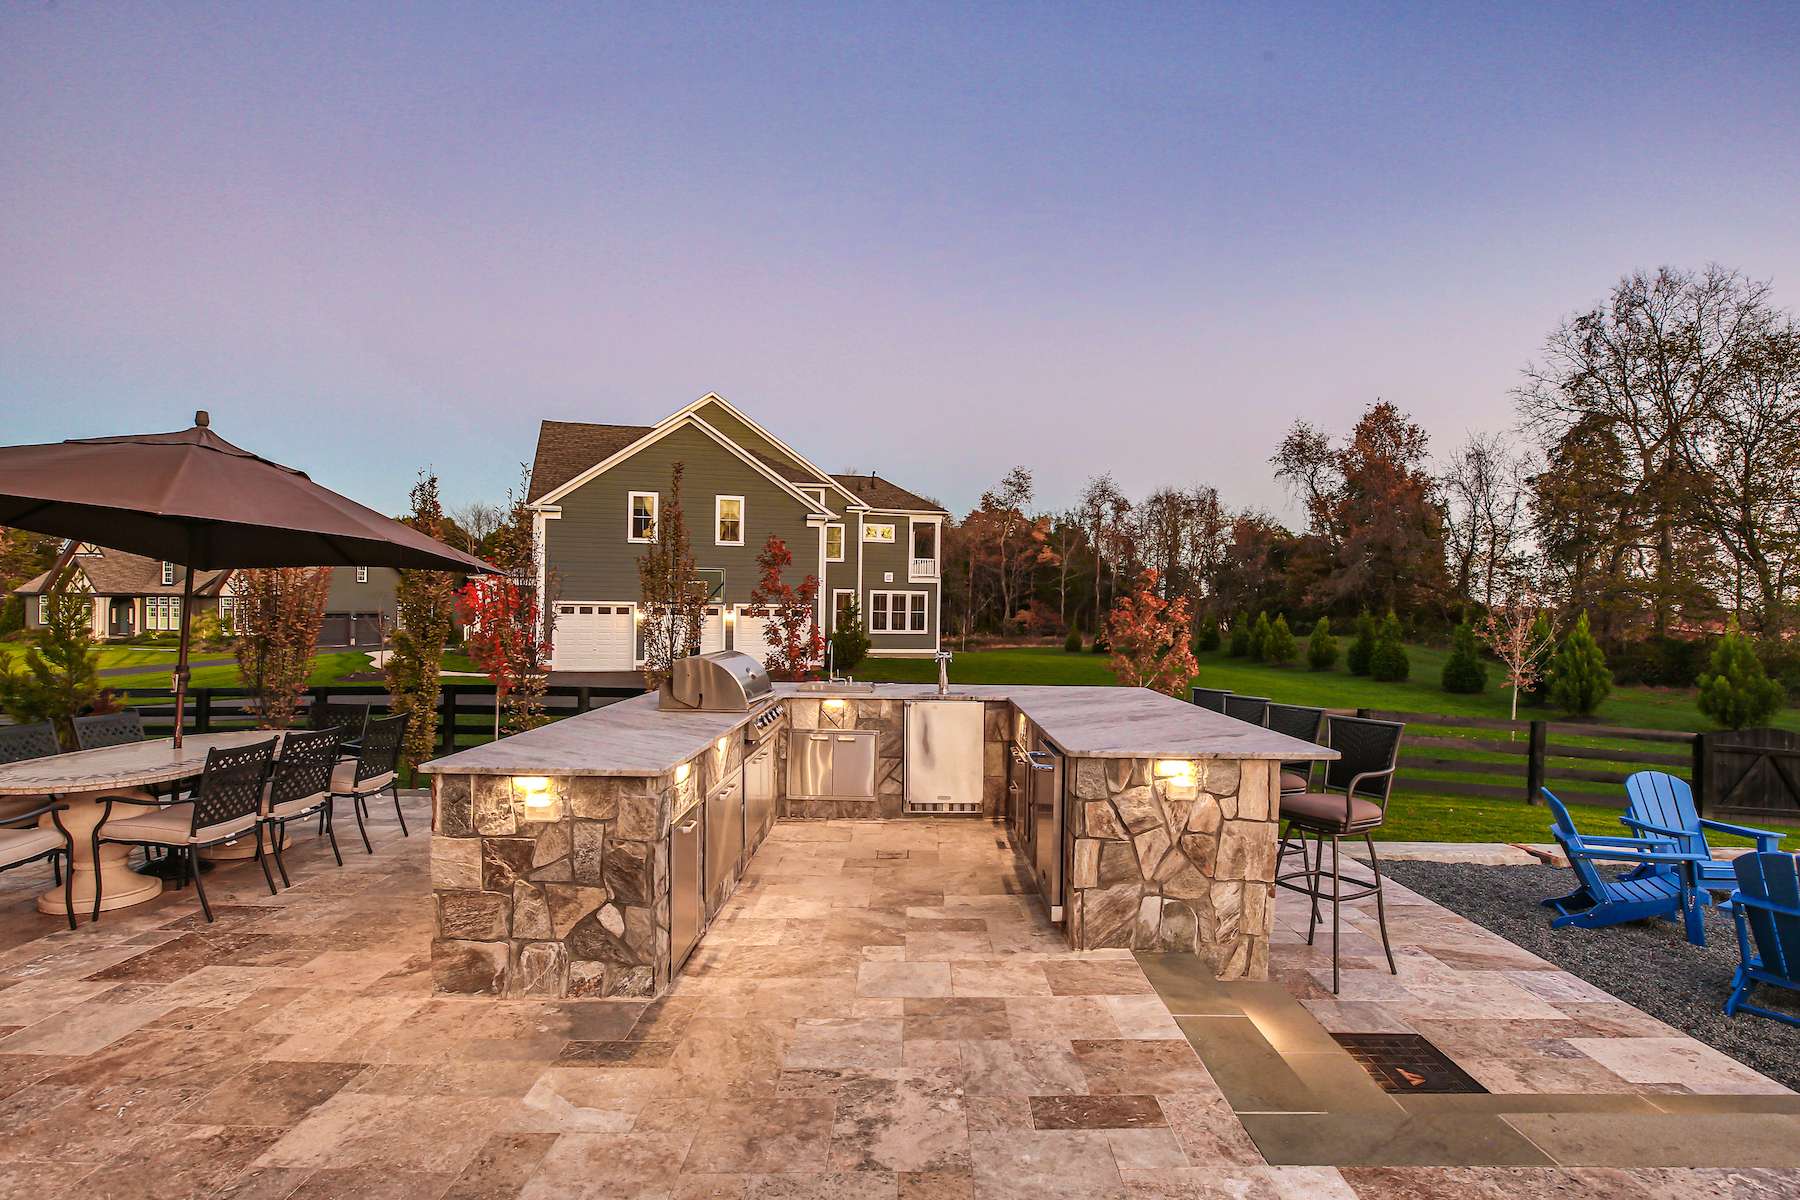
(1150, 640)
(789, 614)
(278, 614)
(673, 605)
(424, 611)
(1520, 636)
(510, 633)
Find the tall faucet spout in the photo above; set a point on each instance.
(943, 665)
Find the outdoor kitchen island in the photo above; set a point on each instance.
(567, 861)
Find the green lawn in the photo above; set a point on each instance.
(110, 656)
(327, 668)
(1418, 814)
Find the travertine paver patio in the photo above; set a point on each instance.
(880, 1014)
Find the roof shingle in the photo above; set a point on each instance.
(877, 492)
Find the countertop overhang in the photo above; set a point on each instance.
(635, 738)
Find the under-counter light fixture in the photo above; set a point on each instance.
(681, 773)
(535, 797)
(1178, 771)
(721, 744)
(834, 703)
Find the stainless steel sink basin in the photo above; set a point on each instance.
(837, 689)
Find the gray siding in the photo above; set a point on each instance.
(348, 596)
(880, 559)
(587, 550)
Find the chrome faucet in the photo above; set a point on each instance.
(943, 662)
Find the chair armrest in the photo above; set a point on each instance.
(1356, 781)
(1626, 841)
(1634, 823)
(1787, 910)
(50, 807)
(140, 801)
(1765, 840)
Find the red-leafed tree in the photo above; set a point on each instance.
(790, 615)
(509, 635)
(1150, 639)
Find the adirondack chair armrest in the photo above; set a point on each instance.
(1764, 839)
(1635, 823)
(1647, 843)
(1787, 910)
(1609, 854)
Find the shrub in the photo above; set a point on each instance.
(1738, 692)
(12, 615)
(1240, 637)
(1388, 662)
(1579, 680)
(58, 677)
(1363, 648)
(1541, 634)
(1259, 637)
(1280, 648)
(1464, 672)
(1321, 647)
(850, 639)
(1659, 661)
(1208, 641)
(1072, 643)
(207, 632)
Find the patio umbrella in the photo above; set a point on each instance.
(195, 499)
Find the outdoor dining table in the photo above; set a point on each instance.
(82, 780)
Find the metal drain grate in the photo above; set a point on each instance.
(1407, 1063)
(944, 808)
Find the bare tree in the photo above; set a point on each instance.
(1105, 513)
(477, 519)
(1512, 632)
(1484, 513)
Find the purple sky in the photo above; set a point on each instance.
(928, 241)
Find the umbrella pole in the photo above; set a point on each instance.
(181, 657)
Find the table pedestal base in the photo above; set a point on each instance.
(121, 886)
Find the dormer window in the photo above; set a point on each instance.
(168, 575)
(362, 574)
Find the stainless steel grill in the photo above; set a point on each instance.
(728, 681)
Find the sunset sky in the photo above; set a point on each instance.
(930, 241)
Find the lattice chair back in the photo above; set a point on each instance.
(1254, 709)
(304, 768)
(1213, 698)
(108, 729)
(381, 747)
(352, 719)
(20, 742)
(1368, 751)
(231, 786)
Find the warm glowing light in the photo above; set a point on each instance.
(834, 704)
(681, 773)
(720, 745)
(535, 789)
(1175, 770)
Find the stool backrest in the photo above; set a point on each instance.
(1213, 698)
(381, 747)
(1368, 752)
(231, 785)
(304, 768)
(1296, 721)
(1254, 709)
(108, 729)
(20, 742)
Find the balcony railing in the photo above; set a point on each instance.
(923, 568)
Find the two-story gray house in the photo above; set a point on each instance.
(598, 491)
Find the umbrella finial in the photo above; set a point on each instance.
(201, 419)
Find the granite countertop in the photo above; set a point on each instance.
(635, 738)
(128, 765)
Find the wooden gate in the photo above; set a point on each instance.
(1754, 771)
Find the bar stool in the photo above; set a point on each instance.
(1352, 803)
(1296, 721)
(1254, 709)
(1213, 698)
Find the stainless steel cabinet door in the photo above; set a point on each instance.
(685, 901)
(853, 765)
(809, 764)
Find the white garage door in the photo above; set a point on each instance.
(712, 630)
(592, 637)
(748, 635)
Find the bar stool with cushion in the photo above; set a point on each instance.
(226, 806)
(1352, 803)
(300, 786)
(1213, 698)
(20, 845)
(1254, 709)
(108, 729)
(373, 771)
(1296, 721)
(17, 744)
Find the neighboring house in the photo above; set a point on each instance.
(130, 595)
(598, 490)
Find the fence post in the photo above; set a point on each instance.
(1702, 748)
(203, 710)
(447, 721)
(584, 699)
(1534, 762)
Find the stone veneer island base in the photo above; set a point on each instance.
(551, 850)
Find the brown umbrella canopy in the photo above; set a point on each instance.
(194, 498)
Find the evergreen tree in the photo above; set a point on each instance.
(1542, 634)
(1071, 644)
(1363, 648)
(1321, 647)
(1738, 693)
(850, 639)
(1579, 679)
(1464, 672)
(1280, 647)
(1240, 636)
(1259, 637)
(59, 677)
(1388, 661)
(1208, 641)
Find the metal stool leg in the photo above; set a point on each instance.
(1335, 887)
(1380, 905)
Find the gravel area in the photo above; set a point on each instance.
(1649, 965)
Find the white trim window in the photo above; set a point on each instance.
(640, 517)
(162, 614)
(728, 520)
(834, 542)
(168, 574)
(878, 531)
(840, 599)
(897, 612)
(362, 574)
(923, 565)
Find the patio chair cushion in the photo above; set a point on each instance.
(11, 805)
(343, 780)
(1292, 781)
(292, 808)
(17, 845)
(169, 827)
(1325, 810)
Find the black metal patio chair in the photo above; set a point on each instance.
(21, 844)
(1352, 803)
(374, 770)
(1296, 721)
(108, 729)
(17, 744)
(299, 786)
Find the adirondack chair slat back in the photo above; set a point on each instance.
(1664, 799)
(1563, 829)
(1772, 877)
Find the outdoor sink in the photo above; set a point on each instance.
(837, 689)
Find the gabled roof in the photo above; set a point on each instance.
(567, 448)
(791, 472)
(116, 573)
(877, 492)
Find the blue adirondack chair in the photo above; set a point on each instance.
(1766, 906)
(1600, 901)
(1662, 805)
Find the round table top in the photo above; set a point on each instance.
(129, 765)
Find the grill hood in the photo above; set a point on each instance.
(728, 681)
